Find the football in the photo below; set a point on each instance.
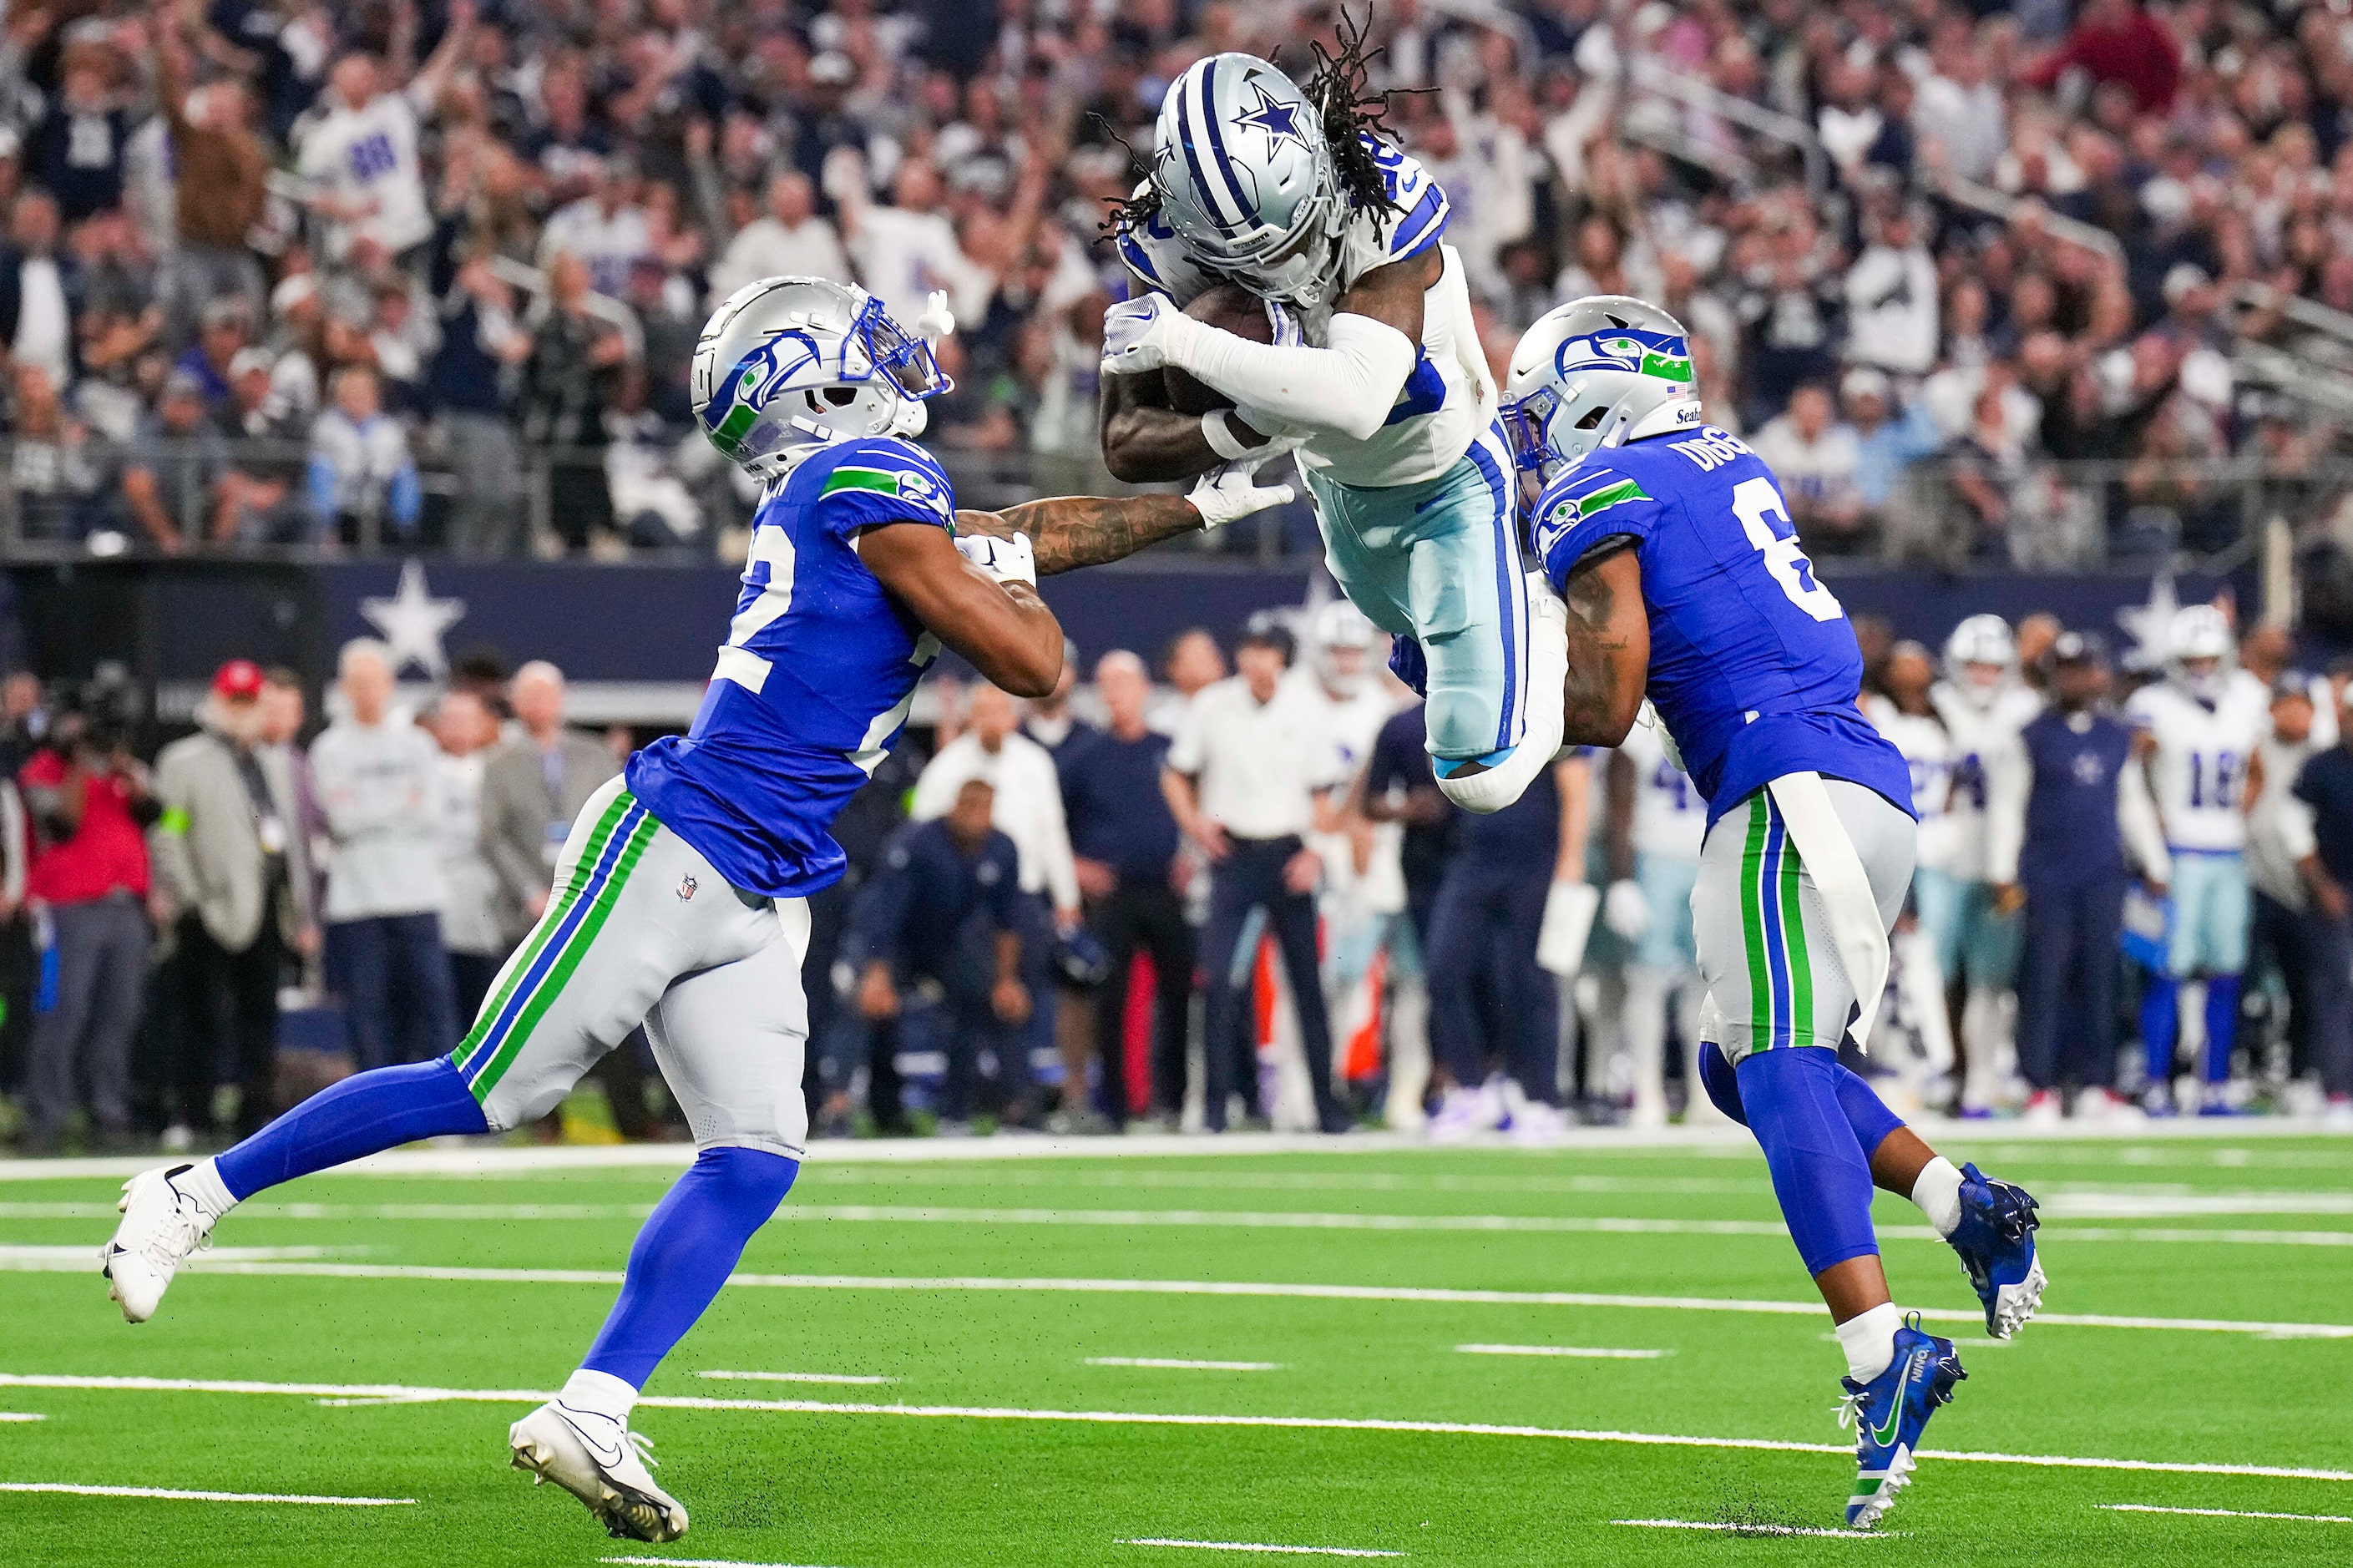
(1238, 311)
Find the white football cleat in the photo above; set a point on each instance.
(600, 1461)
(161, 1225)
(1465, 1113)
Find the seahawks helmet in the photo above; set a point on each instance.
(790, 364)
(1983, 639)
(1597, 372)
(1247, 180)
(2200, 632)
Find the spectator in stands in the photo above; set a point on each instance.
(947, 909)
(177, 485)
(223, 176)
(533, 785)
(2117, 40)
(36, 291)
(788, 237)
(1818, 463)
(908, 249)
(1891, 297)
(571, 379)
(224, 327)
(464, 391)
(88, 800)
(464, 727)
(606, 228)
(232, 883)
(1248, 778)
(54, 468)
(1125, 839)
(361, 154)
(376, 776)
(361, 476)
(75, 150)
(263, 496)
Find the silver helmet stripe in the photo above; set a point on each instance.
(1198, 115)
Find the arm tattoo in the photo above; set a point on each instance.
(1594, 649)
(1072, 531)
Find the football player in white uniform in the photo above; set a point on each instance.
(1984, 705)
(1376, 375)
(1911, 724)
(2199, 732)
(1655, 822)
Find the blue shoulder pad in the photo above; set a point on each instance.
(875, 480)
(1583, 508)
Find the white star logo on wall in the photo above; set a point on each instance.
(2150, 626)
(412, 621)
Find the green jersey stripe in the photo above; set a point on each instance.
(1608, 496)
(847, 476)
(549, 921)
(1793, 932)
(574, 952)
(1752, 927)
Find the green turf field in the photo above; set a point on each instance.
(964, 1311)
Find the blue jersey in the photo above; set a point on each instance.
(1754, 666)
(816, 679)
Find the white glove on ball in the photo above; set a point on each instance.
(1007, 560)
(1137, 333)
(1626, 908)
(1231, 490)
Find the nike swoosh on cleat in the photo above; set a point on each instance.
(608, 1458)
(1883, 1435)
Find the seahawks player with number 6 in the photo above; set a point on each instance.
(679, 900)
(1684, 581)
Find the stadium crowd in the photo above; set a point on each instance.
(301, 272)
(1204, 901)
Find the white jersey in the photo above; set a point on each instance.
(2203, 754)
(368, 156)
(1928, 750)
(1981, 737)
(1670, 814)
(1448, 397)
(1355, 724)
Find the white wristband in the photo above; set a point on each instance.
(1221, 436)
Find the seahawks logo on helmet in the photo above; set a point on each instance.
(735, 407)
(1660, 354)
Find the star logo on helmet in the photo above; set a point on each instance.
(1280, 120)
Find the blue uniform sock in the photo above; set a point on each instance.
(687, 1248)
(365, 1114)
(1866, 1113)
(2160, 1024)
(2221, 1025)
(1820, 1174)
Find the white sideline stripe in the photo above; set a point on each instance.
(83, 1258)
(468, 1159)
(703, 1561)
(1276, 1289)
(1259, 1546)
(1756, 1529)
(399, 1391)
(21, 1415)
(1169, 1364)
(2223, 1512)
(867, 1382)
(2189, 1206)
(173, 1495)
(1585, 1350)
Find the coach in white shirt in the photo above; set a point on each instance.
(1248, 778)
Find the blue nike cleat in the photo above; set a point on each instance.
(1888, 1415)
(1996, 1241)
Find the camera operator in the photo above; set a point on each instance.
(88, 799)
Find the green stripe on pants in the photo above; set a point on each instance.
(549, 921)
(1793, 938)
(1752, 928)
(576, 949)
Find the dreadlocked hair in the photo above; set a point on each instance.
(1133, 211)
(1352, 113)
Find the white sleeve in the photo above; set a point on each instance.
(1062, 867)
(1349, 387)
(936, 785)
(2009, 780)
(1187, 752)
(2137, 817)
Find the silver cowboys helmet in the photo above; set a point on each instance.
(790, 364)
(2200, 632)
(1982, 640)
(1597, 372)
(1338, 629)
(1247, 180)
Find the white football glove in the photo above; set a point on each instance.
(1626, 908)
(1007, 560)
(937, 321)
(1231, 490)
(1137, 334)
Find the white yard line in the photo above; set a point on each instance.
(21, 1415)
(1258, 1546)
(1136, 1418)
(173, 1495)
(2224, 1512)
(1273, 1289)
(703, 1562)
(1587, 1351)
(844, 1377)
(1171, 1364)
(1755, 1529)
(81, 1258)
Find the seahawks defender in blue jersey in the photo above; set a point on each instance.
(1685, 580)
(679, 899)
